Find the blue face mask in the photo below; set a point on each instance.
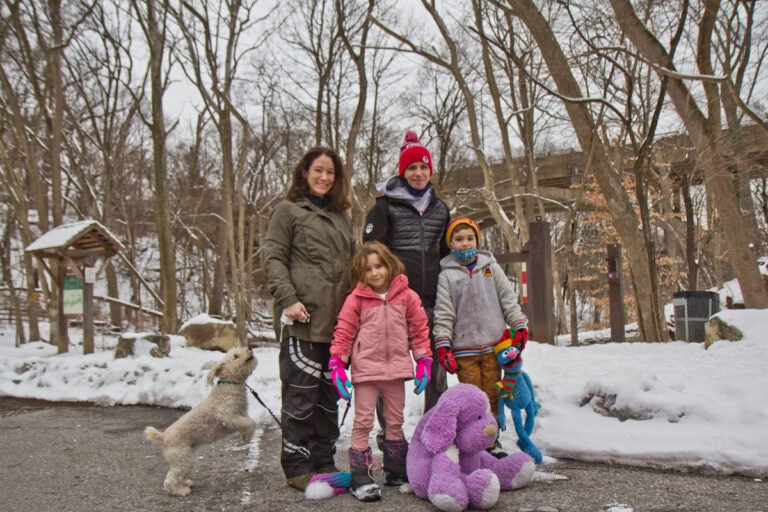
(465, 256)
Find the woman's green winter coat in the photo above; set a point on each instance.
(308, 250)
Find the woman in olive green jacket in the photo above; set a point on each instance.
(308, 249)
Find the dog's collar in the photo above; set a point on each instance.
(229, 382)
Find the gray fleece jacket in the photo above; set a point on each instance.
(473, 309)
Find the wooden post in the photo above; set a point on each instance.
(615, 294)
(540, 285)
(537, 254)
(62, 336)
(89, 276)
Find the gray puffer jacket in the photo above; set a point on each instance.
(416, 237)
(308, 250)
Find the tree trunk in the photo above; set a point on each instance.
(113, 290)
(169, 322)
(56, 109)
(227, 205)
(502, 124)
(623, 214)
(705, 134)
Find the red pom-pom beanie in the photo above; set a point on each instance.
(414, 151)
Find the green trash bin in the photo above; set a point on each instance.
(692, 310)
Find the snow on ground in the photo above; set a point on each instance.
(672, 405)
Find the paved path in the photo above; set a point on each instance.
(70, 457)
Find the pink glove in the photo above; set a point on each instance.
(423, 373)
(446, 359)
(339, 378)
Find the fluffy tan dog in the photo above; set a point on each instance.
(223, 412)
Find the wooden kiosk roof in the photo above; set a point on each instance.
(75, 247)
(76, 240)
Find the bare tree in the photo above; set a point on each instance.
(154, 24)
(481, 13)
(706, 134)
(19, 152)
(741, 43)
(35, 36)
(354, 25)
(440, 105)
(7, 278)
(626, 222)
(630, 126)
(365, 140)
(21, 67)
(354, 22)
(316, 35)
(213, 55)
(100, 69)
(452, 62)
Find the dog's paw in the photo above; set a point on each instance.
(249, 431)
(178, 490)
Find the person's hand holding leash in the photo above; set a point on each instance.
(295, 312)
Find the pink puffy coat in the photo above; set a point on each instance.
(378, 335)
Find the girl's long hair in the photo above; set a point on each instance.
(357, 268)
(339, 194)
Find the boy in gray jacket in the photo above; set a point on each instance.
(475, 304)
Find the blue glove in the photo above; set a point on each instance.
(339, 378)
(423, 373)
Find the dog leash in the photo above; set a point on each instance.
(256, 395)
(344, 416)
(301, 449)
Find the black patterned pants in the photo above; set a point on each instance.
(310, 414)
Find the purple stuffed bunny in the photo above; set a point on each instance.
(447, 463)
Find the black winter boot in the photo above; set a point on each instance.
(496, 450)
(362, 486)
(394, 462)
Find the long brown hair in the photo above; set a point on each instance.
(339, 194)
(360, 260)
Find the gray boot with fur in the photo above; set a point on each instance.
(363, 486)
(394, 462)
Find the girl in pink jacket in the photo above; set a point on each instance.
(380, 325)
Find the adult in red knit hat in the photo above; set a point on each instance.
(414, 151)
(411, 220)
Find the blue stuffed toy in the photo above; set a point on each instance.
(516, 393)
